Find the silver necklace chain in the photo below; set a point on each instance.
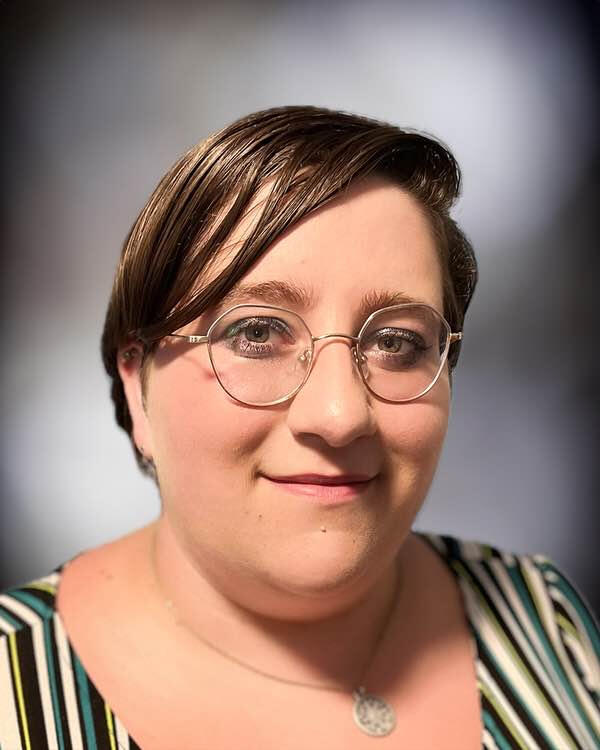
(372, 714)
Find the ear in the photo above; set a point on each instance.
(129, 363)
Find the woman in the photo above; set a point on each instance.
(280, 337)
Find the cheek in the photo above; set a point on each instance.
(200, 434)
(413, 436)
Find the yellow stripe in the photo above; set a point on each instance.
(41, 586)
(111, 728)
(517, 663)
(12, 641)
(514, 732)
(568, 626)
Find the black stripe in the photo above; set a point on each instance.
(15, 697)
(560, 610)
(12, 617)
(558, 673)
(31, 689)
(77, 691)
(510, 636)
(490, 709)
(463, 564)
(62, 707)
(45, 597)
(572, 655)
(98, 716)
(515, 701)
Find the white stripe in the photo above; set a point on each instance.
(555, 688)
(506, 662)
(122, 735)
(512, 626)
(68, 684)
(9, 723)
(51, 579)
(472, 551)
(578, 653)
(585, 666)
(5, 625)
(36, 629)
(500, 699)
(590, 664)
(548, 616)
(489, 743)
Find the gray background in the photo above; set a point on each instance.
(98, 102)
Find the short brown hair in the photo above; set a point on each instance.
(305, 157)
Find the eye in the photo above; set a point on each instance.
(256, 337)
(394, 348)
(395, 344)
(258, 332)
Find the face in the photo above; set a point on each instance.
(218, 460)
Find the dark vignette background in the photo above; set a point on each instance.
(97, 102)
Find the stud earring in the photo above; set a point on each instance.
(147, 462)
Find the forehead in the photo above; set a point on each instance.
(370, 248)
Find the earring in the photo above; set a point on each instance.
(147, 462)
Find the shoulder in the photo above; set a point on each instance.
(524, 585)
(46, 696)
(531, 578)
(532, 628)
(29, 605)
(29, 637)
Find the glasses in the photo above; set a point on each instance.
(263, 355)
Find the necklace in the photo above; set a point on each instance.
(372, 714)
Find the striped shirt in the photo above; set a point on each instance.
(535, 644)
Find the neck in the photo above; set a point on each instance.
(324, 641)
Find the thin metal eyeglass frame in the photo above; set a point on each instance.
(451, 338)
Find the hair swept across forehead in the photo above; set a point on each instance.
(299, 158)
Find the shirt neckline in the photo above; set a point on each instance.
(436, 542)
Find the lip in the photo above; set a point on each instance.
(324, 489)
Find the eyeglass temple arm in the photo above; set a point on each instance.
(190, 339)
(454, 337)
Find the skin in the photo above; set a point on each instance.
(255, 552)
(323, 595)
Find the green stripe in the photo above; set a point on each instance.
(517, 663)
(50, 650)
(508, 724)
(31, 601)
(10, 618)
(568, 626)
(558, 668)
(584, 614)
(84, 702)
(528, 597)
(45, 612)
(494, 730)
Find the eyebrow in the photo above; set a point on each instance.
(287, 293)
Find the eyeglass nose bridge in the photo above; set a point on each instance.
(359, 357)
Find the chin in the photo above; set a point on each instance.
(330, 564)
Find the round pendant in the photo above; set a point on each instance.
(372, 714)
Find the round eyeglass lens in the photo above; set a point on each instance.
(260, 355)
(403, 351)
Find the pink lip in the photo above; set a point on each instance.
(324, 489)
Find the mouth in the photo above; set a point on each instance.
(322, 488)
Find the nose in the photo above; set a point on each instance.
(334, 403)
